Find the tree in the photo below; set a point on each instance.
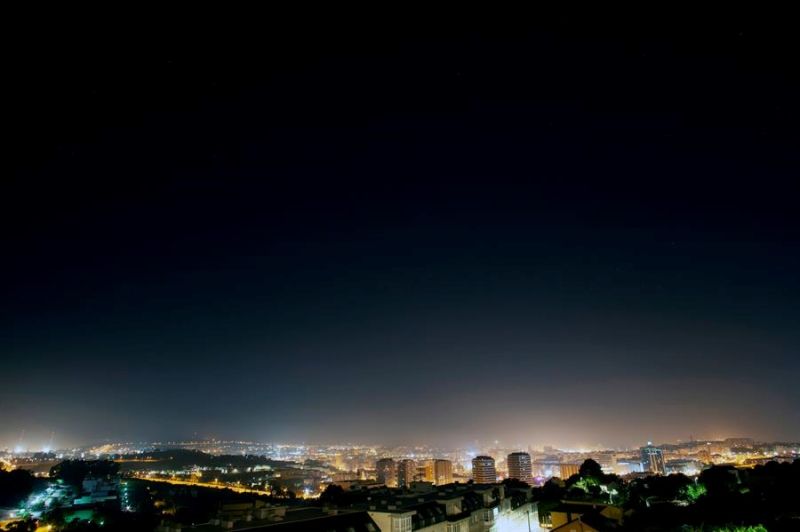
(73, 472)
(334, 494)
(590, 469)
(514, 483)
(693, 492)
(56, 517)
(28, 525)
(15, 486)
(553, 489)
(280, 491)
(719, 480)
(81, 525)
(576, 492)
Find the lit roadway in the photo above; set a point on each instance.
(217, 485)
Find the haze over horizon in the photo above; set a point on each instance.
(46, 444)
(569, 236)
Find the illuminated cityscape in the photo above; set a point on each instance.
(393, 486)
(335, 271)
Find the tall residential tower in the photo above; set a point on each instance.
(406, 473)
(483, 470)
(653, 460)
(442, 472)
(519, 466)
(386, 472)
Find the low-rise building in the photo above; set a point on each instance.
(584, 516)
(454, 508)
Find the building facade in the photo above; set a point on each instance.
(520, 466)
(406, 473)
(566, 470)
(483, 470)
(442, 472)
(386, 472)
(653, 460)
(455, 508)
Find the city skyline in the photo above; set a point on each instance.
(404, 466)
(392, 489)
(474, 446)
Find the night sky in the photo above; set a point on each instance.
(569, 231)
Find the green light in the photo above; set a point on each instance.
(695, 491)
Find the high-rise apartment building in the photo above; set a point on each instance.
(483, 470)
(653, 460)
(520, 466)
(442, 472)
(386, 472)
(566, 470)
(425, 470)
(406, 473)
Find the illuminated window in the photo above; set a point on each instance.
(401, 524)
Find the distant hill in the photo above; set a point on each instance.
(181, 458)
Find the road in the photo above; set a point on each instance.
(215, 485)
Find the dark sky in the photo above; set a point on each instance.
(567, 230)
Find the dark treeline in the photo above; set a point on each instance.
(16, 485)
(722, 496)
(178, 458)
(767, 495)
(73, 472)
